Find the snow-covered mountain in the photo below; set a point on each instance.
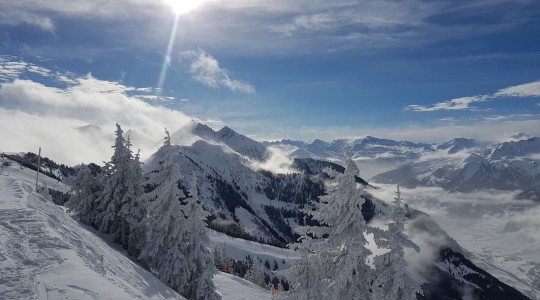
(373, 155)
(239, 143)
(508, 166)
(252, 202)
(458, 144)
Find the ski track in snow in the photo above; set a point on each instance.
(45, 254)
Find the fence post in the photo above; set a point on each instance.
(38, 163)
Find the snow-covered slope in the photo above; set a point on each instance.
(238, 249)
(232, 287)
(45, 254)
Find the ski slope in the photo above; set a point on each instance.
(46, 254)
(232, 287)
(238, 249)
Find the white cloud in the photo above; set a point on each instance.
(307, 22)
(16, 17)
(523, 90)
(277, 162)
(58, 138)
(11, 68)
(375, 15)
(463, 103)
(36, 114)
(205, 69)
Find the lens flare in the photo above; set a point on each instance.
(168, 53)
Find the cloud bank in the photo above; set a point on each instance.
(487, 223)
(34, 114)
(523, 90)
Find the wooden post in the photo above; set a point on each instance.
(38, 163)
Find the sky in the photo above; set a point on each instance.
(418, 70)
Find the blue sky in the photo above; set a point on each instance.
(409, 69)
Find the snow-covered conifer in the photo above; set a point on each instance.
(256, 275)
(176, 245)
(85, 189)
(122, 184)
(392, 279)
(196, 241)
(334, 262)
(167, 141)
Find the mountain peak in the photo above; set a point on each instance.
(520, 136)
(226, 132)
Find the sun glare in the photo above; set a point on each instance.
(183, 6)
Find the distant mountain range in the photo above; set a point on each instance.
(508, 166)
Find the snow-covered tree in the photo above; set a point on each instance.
(334, 255)
(85, 189)
(131, 212)
(392, 279)
(167, 141)
(256, 275)
(163, 247)
(122, 184)
(196, 241)
(220, 256)
(397, 198)
(176, 244)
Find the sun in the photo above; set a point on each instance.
(183, 6)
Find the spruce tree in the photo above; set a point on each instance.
(392, 279)
(176, 245)
(334, 265)
(122, 185)
(85, 189)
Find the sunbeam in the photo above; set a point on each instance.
(167, 58)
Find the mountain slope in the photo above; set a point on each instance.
(254, 203)
(45, 254)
